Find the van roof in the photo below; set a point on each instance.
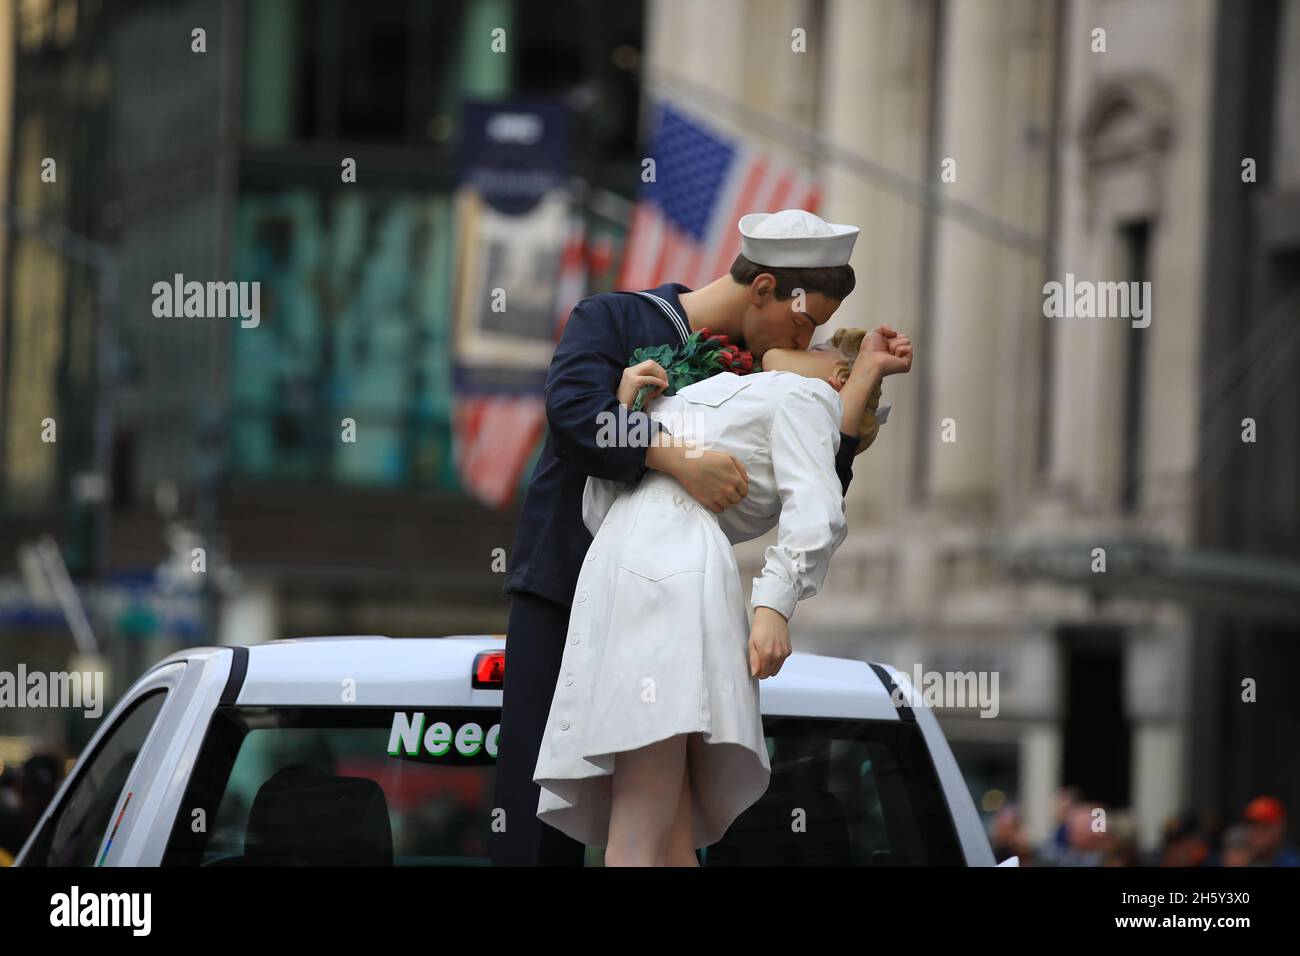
(434, 672)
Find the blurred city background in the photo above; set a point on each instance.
(499, 143)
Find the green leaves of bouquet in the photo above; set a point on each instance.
(702, 355)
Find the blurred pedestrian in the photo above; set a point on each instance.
(1184, 843)
(1122, 847)
(1009, 838)
(1086, 839)
(1266, 818)
(1237, 847)
(1066, 798)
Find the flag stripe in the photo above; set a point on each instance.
(730, 246)
(508, 429)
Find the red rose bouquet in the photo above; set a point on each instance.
(702, 355)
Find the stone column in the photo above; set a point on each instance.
(1040, 778)
(967, 362)
(876, 102)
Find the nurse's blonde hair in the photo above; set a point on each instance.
(849, 342)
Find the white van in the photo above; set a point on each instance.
(378, 751)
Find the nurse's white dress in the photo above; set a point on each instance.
(658, 639)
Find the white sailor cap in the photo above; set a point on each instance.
(795, 238)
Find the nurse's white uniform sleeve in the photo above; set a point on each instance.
(805, 438)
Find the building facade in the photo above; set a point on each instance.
(208, 140)
(988, 148)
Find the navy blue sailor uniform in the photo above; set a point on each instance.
(601, 334)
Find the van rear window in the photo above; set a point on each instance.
(337, 786)
(844, 793)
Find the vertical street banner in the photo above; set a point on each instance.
(514, 223)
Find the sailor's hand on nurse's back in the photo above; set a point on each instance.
(648, 372)
(713, 478)
(769, 642)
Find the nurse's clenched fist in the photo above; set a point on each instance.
(769, 642)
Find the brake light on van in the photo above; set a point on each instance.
(489, 670)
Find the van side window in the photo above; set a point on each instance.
(72, 835)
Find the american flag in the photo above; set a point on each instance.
(496, 435)
(683, 226)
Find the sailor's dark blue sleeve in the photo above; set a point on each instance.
(844, 459)
(582, 407)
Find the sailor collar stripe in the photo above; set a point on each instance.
(673, 315)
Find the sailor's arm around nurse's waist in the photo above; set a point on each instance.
(592, 430)
(715, 479)
(812, 525)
